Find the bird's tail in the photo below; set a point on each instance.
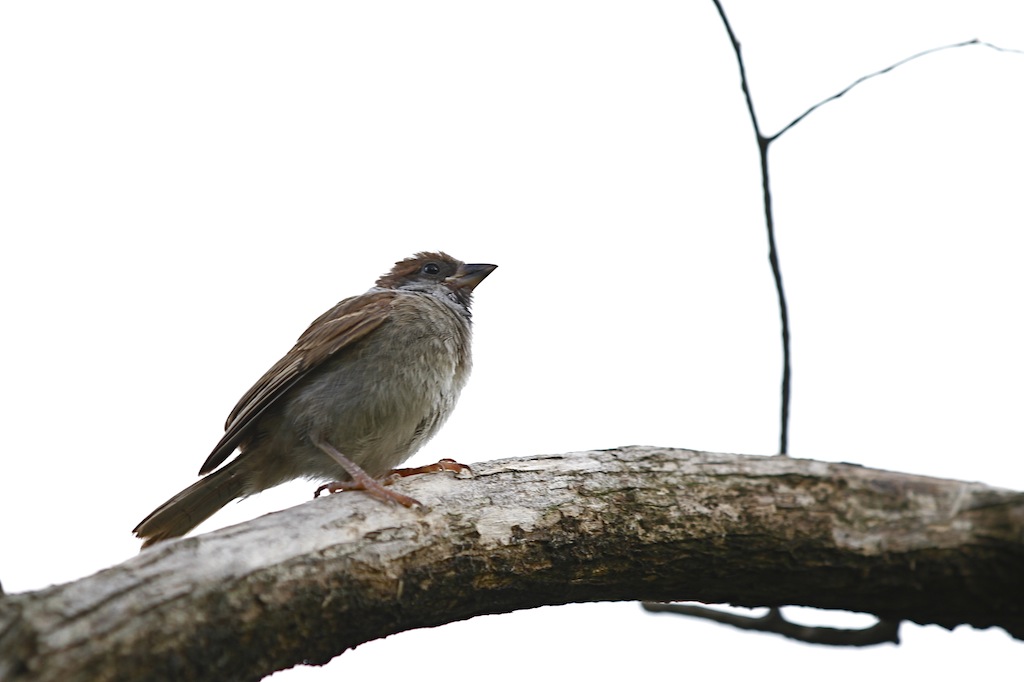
(193, 505)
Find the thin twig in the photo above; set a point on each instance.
(773, 253)
(880, 633)
(763, 145)
(869, 76)
(743, 70)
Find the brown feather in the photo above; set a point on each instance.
(331, 333)
(408, 267)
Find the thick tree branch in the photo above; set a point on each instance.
(305, 584)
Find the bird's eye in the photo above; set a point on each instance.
(431, 269)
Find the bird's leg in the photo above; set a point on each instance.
(360, 479)
(445, 464)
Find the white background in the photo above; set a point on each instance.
(186, 186)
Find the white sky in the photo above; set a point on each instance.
(186, 186)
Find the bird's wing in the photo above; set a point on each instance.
(334, 331)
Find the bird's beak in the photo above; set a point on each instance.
(469, 275)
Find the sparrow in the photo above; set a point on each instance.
(368, 383)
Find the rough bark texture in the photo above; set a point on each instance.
(305, 584)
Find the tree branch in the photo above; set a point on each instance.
(882, 632)
(764, 143)
(887, 69)
(308, 583)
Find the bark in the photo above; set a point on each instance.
(305, 584)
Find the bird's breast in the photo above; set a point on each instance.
(381, 400)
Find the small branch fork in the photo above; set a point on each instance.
(763, 144)
(883, 631)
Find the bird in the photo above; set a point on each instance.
(365, 386)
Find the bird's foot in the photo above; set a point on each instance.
(360, 480)
(373, 487)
